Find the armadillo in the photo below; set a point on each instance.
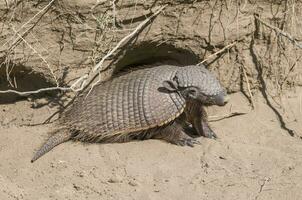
(143, 104)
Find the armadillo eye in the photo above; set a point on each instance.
(191, 93)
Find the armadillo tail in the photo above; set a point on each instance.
(59, 136)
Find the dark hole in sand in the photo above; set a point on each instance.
(21, 78)
(149, 54)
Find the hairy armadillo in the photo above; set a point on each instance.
(147, 103)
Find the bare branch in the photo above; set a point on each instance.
(291, 69)
(248, 86)
(229, 115)
(218, 52)
(27, 93)
(114, 12)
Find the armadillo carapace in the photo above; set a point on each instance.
(147, 103)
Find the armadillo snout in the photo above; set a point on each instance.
(221, 99)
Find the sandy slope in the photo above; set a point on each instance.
(252, 159)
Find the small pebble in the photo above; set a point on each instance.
(132, 183)
(222, 158)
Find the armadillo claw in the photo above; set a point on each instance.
(188, 142)
(210, 134)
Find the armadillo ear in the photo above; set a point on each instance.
(171, 86)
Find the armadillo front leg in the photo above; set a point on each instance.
(174, 134)
(197, 116)
(201, 124)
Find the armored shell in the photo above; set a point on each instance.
(128, 103)
(133, 102)
(140, 105)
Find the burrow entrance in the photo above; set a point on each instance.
(20, 78)
(154, 54)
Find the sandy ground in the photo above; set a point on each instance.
(252, 159)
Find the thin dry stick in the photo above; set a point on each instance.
(8, 71)
(291, 69)
(279, 31)
(218, 52)
(6, 3)
(27, 93)
(114, 12)
(229, 115)
(248, 86)
(81, 81)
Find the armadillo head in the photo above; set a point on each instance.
(198, 83)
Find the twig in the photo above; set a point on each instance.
(279, 31)
(218, 118)
(27, 93)
(8, 71)
(114, 12)
(6, 3)
(266, 180)
(218, 52)
(291, 69)
(248, 86)
(81, 80)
